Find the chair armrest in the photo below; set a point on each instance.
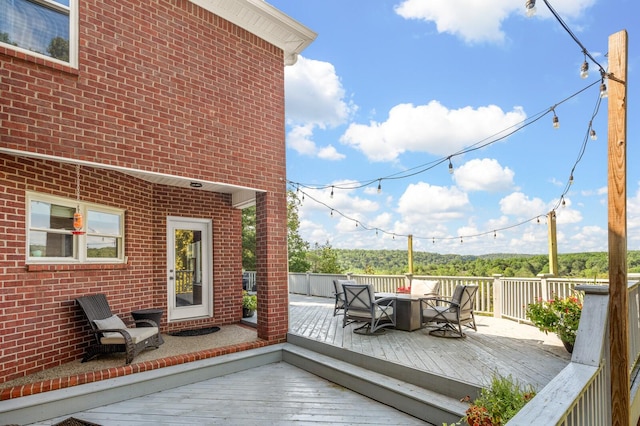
(125, 334)
(437, 301)
(385, 301)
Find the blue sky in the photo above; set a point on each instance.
(390, 90)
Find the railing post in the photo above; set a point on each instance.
(544, 293)
(497, 295)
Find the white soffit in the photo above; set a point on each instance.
(241, 196)
(265, 21)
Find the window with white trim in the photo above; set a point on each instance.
(45, 28)
(51, 237)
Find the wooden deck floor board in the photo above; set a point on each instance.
(275, 394)
(498, 347)
(280, 393)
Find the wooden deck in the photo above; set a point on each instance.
(498, 347)
(281, 393)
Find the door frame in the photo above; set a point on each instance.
(182, 313)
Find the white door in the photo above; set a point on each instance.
(189, 268)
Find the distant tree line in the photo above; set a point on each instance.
(325, 259)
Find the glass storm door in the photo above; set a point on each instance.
(189, 271)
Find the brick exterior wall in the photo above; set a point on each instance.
(162, 86)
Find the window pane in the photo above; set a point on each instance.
(102, 247)
(35, 27)
(103, 223)
(45, 215)
(47, 244)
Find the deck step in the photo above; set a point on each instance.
(420, 394)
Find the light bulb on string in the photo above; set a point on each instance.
(555, 121)
(571, 179)
(460, 240)
(530, 8)
(379, 186)
(434, 241)
(331, 191)
(564, 203)
(604, 93)
(584, 69)
(494, 235)
(450, 167)
(592, 134)
(331, 212)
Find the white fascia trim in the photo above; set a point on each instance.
(241, 196)
(265, 21)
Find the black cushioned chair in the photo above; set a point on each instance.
(112, 334)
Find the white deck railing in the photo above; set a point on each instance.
(580, 394)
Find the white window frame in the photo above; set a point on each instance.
(73, 33)
(79, 239)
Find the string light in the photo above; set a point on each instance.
(379, 186)
(604, 93)
(555, 121)
(331, 212)
(564, 203)
(592, 135)
(530, 7)
(331, 192)
(571, 179)
(494, 235)
(584, 69)
(450, 166)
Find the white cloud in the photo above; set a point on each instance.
(314, 94)
(314, 98)
(423, 203)
(430, 128)
(330, 153)
(480, 21)
(520, 205)
(483, 175)
(473, 21)
(299, 138)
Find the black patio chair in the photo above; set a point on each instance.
(361, 306)
(448, 315)
(338, 293)
(112, 334)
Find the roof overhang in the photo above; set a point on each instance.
(267, 22)
(241, 196)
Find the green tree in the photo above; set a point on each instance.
(297, 247)
(324, 260)
(59, 49)
(249, 239)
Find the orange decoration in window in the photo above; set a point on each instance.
(77, 221)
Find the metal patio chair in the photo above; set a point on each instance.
(338, 293)
(112, 334)
(361, 306)
(449, 315)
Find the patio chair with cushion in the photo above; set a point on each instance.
(361, 306)
(448, 315)
(112, 334)
(425, 288)
(338, 293)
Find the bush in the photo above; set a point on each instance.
(560, 316)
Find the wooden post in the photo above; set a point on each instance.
(617, 186)
(553, 243)
(410, 251)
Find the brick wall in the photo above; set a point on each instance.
(162, 86)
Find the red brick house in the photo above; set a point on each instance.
(158, 121)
